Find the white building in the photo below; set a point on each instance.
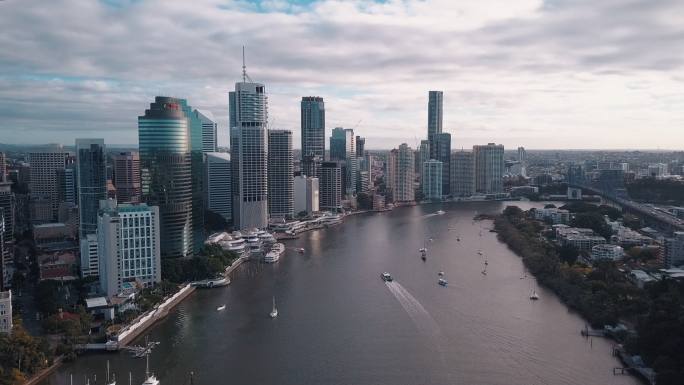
(6, 311)
(306, 194)
(555, 215)
(90, 261)
(432, 180)
(209, 127)
(219, 193)
(604, 251)
(657, 170)
(128, 245)
(249, 160)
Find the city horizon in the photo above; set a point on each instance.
(623, 86)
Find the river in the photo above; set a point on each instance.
(340, 324)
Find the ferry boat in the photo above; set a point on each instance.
(330, 220)
(443, 282)
(386, 277)
(266, 237)
(275, 253)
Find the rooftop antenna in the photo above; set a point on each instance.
(244, 66)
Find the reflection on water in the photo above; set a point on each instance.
(339, 323)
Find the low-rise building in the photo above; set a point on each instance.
(640, 278)
(582, 239)
(605, 251)
(674, 250)
(59, 266)
(555, 215)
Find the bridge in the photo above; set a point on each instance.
(651, 216)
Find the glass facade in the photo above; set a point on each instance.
(91, 169)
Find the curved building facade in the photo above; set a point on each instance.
(166, 170)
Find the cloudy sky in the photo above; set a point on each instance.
(542, 74)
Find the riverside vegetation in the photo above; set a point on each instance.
(602, 294)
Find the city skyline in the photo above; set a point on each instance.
(530, 73)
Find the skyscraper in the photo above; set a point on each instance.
(249, 160)
(462, 174)
(360, 146)
(489, 168)
(435, 115)
(209, 127)
(219, 192)
(91, 171)
(3, 167)
(8, 216)
(330, 186)
(423, 155)
(442, 152)
(127, 177)
(164, 134)
(338, 144)
(432, 180)
(522, 158)
(128, 243)
(313, 134)
(68, 192)
(280, 174)
(401, 173)
(43, 183)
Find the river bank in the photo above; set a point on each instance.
(600, 293)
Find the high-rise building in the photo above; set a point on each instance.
(3, 167)
(330, 186)
(435, 115)
(6, 312)
(166, 136)
(8, 217)
(128, 245)
(91, 171)
(360, 146)
(68, 192)
(674, 250)
(280, 174)
(219, 192)
(423, 155)
(338, 144)
(313, 134)
(489, 168)
(127, 177)
(522, 158)
(442, 152)
(90, 261)
(43, 183)
(249, 159)
(462, 174)
(209, 128)
(306, 194)
(432, 180)
(400, 172)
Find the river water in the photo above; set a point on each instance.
(340, 324)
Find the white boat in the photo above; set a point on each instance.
(442, 282)
(150, 379)
(479, 252)
(222, 307)
(275, 253)
(301, 250)
(440, 212)
(274, 312)
(534, 296)
(266, 237)
(441, 274)
(422, 250)
(386, 277)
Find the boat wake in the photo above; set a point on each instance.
(420, 317)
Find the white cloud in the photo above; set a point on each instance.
(543, 75)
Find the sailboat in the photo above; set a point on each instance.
(274, 312)
(150, 378)
(534, 296)
(113, 382)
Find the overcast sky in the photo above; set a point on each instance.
(540, 74)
